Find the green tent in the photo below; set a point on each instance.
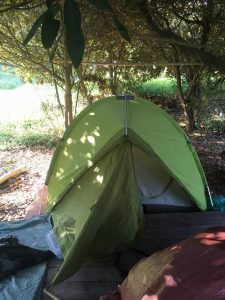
(115, 156)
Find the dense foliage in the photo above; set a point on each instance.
(144, 33)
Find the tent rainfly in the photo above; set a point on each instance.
(117, 155)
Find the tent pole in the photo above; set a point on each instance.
(126, 118)
(210, 197)
(126, 98)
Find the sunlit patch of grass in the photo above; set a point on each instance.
(28, 133)
(161, 86)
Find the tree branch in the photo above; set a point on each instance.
(206, 58)
(207, 23)
(22, 5)
(188, 21)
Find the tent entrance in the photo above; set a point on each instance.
(157, 189)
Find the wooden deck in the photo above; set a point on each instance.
(161, 231)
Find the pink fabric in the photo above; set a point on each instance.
(193, 269)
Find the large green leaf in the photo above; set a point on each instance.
(50, 3)
(74, 34)
(49, 30)
(53, 7)
(72, 15)
(121, 28)
(103, 4)
(34, 28)
(128, 2)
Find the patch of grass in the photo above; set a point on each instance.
(28, 133)
(157, 87)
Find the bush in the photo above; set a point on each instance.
(28, 133)
(157, 87)
(215, 125)
(211, 115)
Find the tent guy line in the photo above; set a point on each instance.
(130, 64)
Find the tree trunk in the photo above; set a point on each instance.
(180, 92)
(187, 108)
(192, 96)
(186, 103)
(82, 86)
(179, 85)
(191, 119)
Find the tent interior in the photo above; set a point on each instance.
(158, 190)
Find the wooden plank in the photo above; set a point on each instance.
(189, 215)
(88, 274)
(195, 214)
(127, 260)
(55, 262)
(179, 232)
(151, 245)
(81, 290)
(185, 219)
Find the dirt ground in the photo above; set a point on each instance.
(211, 151)
(16, 194)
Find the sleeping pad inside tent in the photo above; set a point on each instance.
(116, 156)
